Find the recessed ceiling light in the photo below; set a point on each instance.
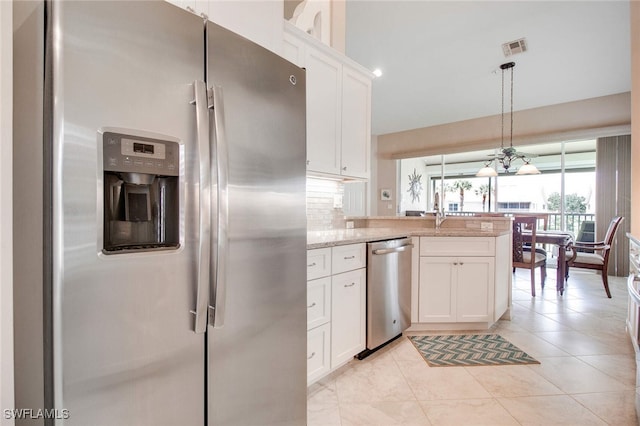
(377, 72)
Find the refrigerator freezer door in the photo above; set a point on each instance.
(257, 348)
(124, 350)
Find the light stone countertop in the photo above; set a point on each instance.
(336, 237)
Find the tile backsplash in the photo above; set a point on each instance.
(324, 204)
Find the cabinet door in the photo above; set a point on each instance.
(347, 315)
(356, 123)
(436, 292)
(323, 112)
(474, 288)
(318, 352)
(318, 302)
(355, 199)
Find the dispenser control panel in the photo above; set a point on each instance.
(126, 153)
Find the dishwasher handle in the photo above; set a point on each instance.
(392, 250)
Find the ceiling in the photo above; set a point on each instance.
(440, 59)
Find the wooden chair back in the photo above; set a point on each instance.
(611, 231)
(520, 224)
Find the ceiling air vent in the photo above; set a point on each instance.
(513, 47)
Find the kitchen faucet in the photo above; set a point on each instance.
(440, 217)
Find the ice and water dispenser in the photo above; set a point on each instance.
(141, 202)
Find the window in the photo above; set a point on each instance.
(565, 190)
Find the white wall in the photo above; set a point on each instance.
(6, 222)
(407, 168)
(585, 119)
(383, 176)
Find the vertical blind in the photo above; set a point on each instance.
(613, 183)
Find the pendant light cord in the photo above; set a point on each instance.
(502, 116)
(511, 112)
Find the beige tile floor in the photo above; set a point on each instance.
(586, 374)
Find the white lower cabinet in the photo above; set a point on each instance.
(348, 327)
(474, 282)
(437, 295)
(318, 352)
(318, 302)
(469, 288)
(336, 307)
(456, 289)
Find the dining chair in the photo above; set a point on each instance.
(597, 256)
(528, 257)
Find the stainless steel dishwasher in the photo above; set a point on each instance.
(388, 291)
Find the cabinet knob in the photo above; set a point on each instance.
(312, 265)
(308, 162)
(311, 305)
(350, 285)
(312, 355)
(344, 169)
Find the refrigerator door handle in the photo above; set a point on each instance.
(220, 147)
(204, 172)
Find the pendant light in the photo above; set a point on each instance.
(507, 155)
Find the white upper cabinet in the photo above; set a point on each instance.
(355, 123)
(258, 21)
(293, 48)
(194, 6)
(338, 107)
(324, 98)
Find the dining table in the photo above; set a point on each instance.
(562, 240)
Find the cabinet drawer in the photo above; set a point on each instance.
(347, 258)
(318, 352)
(318, 263)
(318, 302)
(457, 246)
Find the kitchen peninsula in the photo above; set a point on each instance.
(464, 263)
(460, 280)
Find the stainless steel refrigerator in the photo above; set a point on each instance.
(160, 227)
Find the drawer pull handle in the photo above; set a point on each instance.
(312, 355)
(455, 263)
(349, 257)
(311, 305)
(312, 265)
(350, 285)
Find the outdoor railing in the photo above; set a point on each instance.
(572, 221)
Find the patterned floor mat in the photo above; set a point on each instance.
(469, 350)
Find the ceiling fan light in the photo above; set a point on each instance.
(487, 171)
(528, 169)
